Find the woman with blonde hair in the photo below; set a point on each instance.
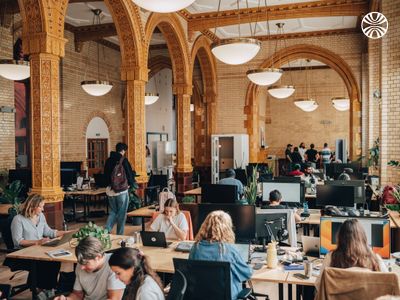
(30, 228)
(352, 251)
(172, 221)
(215, 241)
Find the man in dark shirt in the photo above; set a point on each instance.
(275, 198)
(312, 154)
(288, 153)
(296, 157)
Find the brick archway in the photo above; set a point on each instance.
(158, 63)
(316, 53)
(93, 114)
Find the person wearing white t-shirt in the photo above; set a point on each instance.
(172, 222)
(132, 267)
(94, 278)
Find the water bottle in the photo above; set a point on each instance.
(272, 257)
(305, 207)
(65, 226)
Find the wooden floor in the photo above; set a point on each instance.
(21, 277)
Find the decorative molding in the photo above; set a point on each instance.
(296, 35)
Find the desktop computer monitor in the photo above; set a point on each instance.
(243, 218)
(337, 195)
(287, 179)
(333, 170)
(359, 188)
(270, 223)
(158, 180)
(292, 192)
(219, 193)
(241, 176)
(377, 230)
(67, 177)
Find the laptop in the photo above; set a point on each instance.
(310, 245)
(154, 239)
(55, 242)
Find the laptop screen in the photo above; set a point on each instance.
(376, 229)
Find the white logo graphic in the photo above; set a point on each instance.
(374, 25)
(153, 239)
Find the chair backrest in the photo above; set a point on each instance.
(356, 283)
(190, 235)
(205, 279)
(178, 286)
(6, 232)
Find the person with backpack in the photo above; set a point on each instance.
(119, 176)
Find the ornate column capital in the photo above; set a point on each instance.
(42, 42)
(182, 89)
(130, 71)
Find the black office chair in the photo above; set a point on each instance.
(208, 280)
(5, 290)
(178, 286)
(15, 265)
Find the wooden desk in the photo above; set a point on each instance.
(195, 192)
(4, 209)
(87, 195)
(143, 212)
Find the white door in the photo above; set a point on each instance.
(214, 159)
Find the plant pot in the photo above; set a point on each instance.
(393, 207)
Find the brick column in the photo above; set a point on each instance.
(374, 84)
(211, 106)
(390, 69)
(183, 167)
(252, 130)
(135, 129)
(45, 134)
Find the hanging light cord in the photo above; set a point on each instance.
(216, 24)
(253, 33)
(238, 8)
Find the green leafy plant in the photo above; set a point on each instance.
(373, 155)
(135, 201)
(188, 199)
(394, 163)
(396, 193)
(250, 190)
(93, 230)
(12, 195)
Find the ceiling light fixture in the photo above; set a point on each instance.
(308, 104)
(151, 98)
(264, 76)
(13, 69)
(191, 107)
(341, 103)
(96, 87)
(163, 6)
(281, 91)
(235, 51)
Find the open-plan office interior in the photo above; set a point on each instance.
(199, 149)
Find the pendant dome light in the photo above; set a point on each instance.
(149, 97)
(281, 91)
(96, 87)
(308, 104)
(235, 51)
(163, 6)
(341, 103)
(265, 76)
(13, 69)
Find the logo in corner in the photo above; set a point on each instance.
(374, 25)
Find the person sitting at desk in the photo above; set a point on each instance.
(94, 278)
(345, 175)
(214, 242)
(132, 267)
(296, 171)
(352, 251)
(275, 198)
(172, 221)
(30, 228)
(231, 180)
(310, 181)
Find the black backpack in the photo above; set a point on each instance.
(119, 181)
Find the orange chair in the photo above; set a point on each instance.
(189, 236)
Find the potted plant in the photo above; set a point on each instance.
(11, 195)
(396, 195)
(373, 158)
(93, 230)
(188, 199)
(250, 190)
(135, 202)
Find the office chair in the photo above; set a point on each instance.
(5, 290)
(178, 286)
(15, 265)
(208, 280)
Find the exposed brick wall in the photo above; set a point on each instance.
(7, 126)
(390, 126)
(232, 81)
(77, 107)
(374, 83)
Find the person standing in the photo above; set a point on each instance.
(311, 154)
(302, 151)
(288, 153)
(326, 154)
(119, 176)
(296, 156)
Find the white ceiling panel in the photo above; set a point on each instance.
(80, 14)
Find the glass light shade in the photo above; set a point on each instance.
(150, 98)
(235, 51)
(341, 103)
(15, 69)
(281, 91)
(163, 6)
(311, 108)
(191, 107)
(266, 76)
(96, 87)
(304, 103)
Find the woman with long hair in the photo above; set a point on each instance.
(132, 267)
(172, 221)
(215, 241)
(352, 251)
